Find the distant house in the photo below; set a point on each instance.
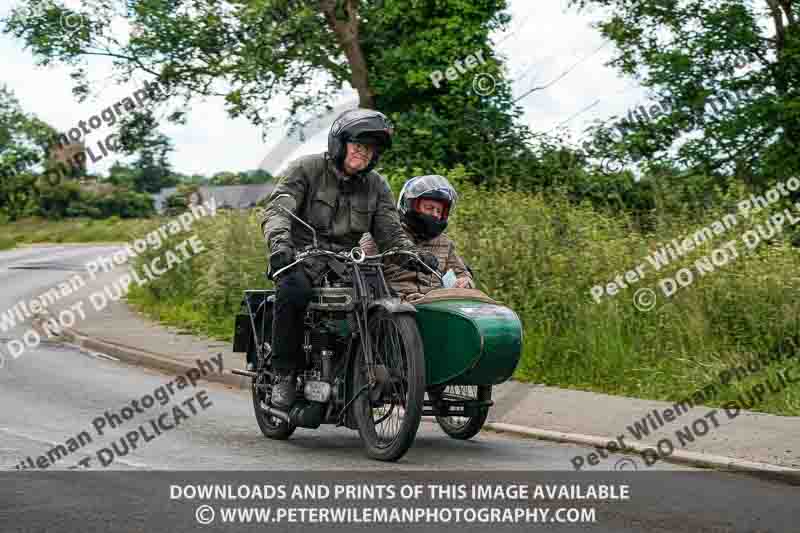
(226, 197)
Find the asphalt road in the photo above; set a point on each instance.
(56, 395)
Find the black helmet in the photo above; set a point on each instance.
(364, 126)
(432, 187)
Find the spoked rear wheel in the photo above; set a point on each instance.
(272, 427)
(465, 427)
(388, 411)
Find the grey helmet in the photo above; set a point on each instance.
(364, 126)
(433, 187)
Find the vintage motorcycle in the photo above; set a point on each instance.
(371, 358)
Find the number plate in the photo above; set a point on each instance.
(317, 391)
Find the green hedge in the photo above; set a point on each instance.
(68, 199)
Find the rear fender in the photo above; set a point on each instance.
(254, 317)
(243, 333)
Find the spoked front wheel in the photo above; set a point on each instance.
(391, 392)
(465, 427)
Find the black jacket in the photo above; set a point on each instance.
(341, 209)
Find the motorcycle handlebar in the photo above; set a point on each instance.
(356, 255)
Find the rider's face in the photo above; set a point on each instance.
(358, 157)
(433, 208)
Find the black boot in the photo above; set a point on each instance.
(284, 391)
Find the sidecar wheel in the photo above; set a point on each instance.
(465, 427)
(388, 415)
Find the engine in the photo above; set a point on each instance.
(319, 380)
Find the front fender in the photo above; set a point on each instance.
(390, 305)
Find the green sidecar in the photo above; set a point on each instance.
(471, 343)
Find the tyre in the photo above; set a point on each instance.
(388, 415)
(272, 427)
(465, 427)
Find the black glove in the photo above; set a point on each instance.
(280, 259)
(428, 258)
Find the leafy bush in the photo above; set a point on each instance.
(175, 204)
(68, 199)
(178, 202)
(55, 200)
(125, 204)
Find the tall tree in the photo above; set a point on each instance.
(725, 77)
(248, 51)
(434, 68)
(138, 134)
(251, 51)
(24, 142)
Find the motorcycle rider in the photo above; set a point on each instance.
(341, 197)
(425, 204)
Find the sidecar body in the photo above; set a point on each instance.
(469, 338)
(471, 343)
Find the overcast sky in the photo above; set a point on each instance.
(545, 40)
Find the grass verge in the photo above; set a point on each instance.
(74, 230)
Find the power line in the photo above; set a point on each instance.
(587, 108)
(583, 110)
(563, 74)
(528, 69)
(522, 25)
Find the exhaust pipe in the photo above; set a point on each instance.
(277, 413)
(303, 414)
(250, 374)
